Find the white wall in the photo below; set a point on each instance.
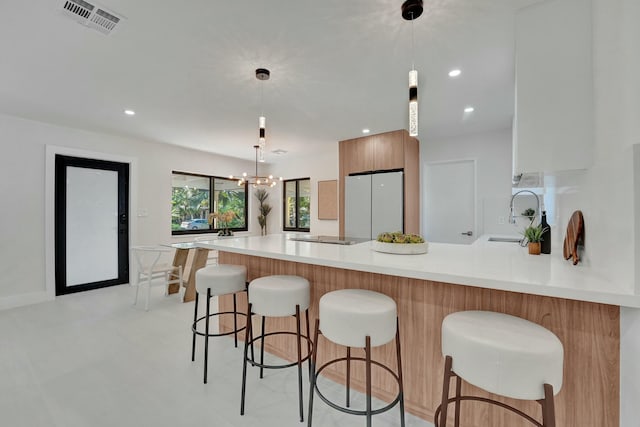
(22, 191)
(492, 152)
(319, 166)
(617, 67)
(605, 193)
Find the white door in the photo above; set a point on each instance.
(450, 201)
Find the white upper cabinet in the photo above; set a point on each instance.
(553, 123)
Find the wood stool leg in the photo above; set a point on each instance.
(400, 381)
(457, 405)
(445, 392)
(548, 407)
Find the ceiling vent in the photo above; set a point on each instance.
(91, 15)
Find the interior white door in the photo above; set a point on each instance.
(450, 202)
(357, 196)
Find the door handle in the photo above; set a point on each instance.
(467, 233)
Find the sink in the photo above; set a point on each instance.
(505, 239)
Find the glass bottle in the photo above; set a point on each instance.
(545, 244)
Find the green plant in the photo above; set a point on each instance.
(264, 209)
(398, 237)
(533, 234)
(530, 213)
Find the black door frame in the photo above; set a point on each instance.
(60, 225)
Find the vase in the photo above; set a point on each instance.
(534, 248)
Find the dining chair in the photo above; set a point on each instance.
(153, 270)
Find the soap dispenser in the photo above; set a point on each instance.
(545, 244)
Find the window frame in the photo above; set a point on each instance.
(212, 179)
(297, 198)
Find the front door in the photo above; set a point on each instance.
(91, 224)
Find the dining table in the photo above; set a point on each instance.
(181, 258)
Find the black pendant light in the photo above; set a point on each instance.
(412, 9)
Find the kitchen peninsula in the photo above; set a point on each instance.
(577, 304)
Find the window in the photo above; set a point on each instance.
(297, 200)
(192, 197)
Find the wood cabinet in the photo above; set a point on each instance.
(553, 123)
(357, 155)
(384, 151)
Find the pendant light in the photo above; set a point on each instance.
(412, 9)
(262, 74)
(256, 180)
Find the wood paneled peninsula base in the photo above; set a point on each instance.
(590, 333)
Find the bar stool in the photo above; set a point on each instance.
(504, 355)
(216, 280)
(277, 296)
(364, 319)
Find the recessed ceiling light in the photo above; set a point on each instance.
(455, 72)
(365, 131)
(130, 112)
(279, 151)
(468, 110)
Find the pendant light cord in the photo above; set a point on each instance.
(413, 49)
(261, 98)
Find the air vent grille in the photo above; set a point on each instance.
(103, 21)
(79, 8)
(91, 15)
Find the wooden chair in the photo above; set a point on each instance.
(150, 268)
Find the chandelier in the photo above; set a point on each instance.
(256, 180)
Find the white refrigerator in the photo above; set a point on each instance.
(374, 203)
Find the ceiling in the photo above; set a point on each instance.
(187, 69)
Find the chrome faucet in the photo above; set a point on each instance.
(512, 216)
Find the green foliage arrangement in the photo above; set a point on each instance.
(264, 209)
(398, 237)
(533, 234)
(529, 213)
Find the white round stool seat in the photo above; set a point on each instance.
(503, 354)
(348, 316)
(277, 296)
(222, 279)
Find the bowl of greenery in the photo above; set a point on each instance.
(400, 243)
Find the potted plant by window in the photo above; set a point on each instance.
(533, 234)
(264, 209)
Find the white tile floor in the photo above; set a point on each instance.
(93, 359)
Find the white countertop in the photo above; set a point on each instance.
(484, 264)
